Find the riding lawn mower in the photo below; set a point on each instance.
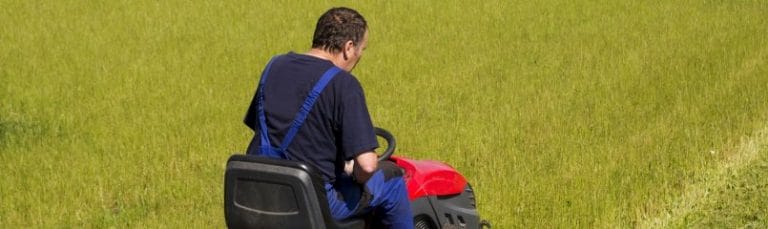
(262, 192)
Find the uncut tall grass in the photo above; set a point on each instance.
(560, 113)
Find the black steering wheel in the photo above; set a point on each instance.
(390, 143)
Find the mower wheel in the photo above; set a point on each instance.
(423, 222)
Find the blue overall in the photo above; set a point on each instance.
(383, 193)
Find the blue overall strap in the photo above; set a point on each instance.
(307, 106)
(266, 146)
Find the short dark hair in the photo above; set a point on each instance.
(337, 26)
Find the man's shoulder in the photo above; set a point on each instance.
(309, 65)
(346, 76)
(301, 61)
(347, 81)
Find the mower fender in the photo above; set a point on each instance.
(430, 178)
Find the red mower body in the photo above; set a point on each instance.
(440, 196)
(430, 178)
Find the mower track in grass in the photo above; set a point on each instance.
(699, 193)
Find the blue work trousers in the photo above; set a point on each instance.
(383, 195)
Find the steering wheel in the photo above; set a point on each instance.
(390, 143)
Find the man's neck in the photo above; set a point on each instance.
(336, 59)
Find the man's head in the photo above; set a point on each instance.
(342, 31)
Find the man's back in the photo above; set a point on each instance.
(338, 125)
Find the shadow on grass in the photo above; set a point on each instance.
(19, 134)
(6, 130)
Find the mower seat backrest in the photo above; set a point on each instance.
(261, 192)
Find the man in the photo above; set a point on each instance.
(309, 108)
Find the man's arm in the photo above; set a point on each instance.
(365, 165)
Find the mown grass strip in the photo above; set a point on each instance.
(703, 192)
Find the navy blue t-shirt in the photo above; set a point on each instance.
(338, 127)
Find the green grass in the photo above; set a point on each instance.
(560, 113)
(737, 200)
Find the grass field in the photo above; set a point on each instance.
(589, 113)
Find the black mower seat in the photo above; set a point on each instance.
(261, 192)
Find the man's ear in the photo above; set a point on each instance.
(349, 46)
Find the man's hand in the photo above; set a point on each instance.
(349, 166)
(364, 166)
